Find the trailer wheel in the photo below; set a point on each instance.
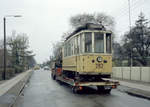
(102, 90)
(75, 89)
(107, 91)
(53, 76)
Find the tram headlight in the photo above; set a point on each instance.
(99, 59)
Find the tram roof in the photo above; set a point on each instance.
(87, 26)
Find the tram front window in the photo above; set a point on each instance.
(98, 42)
(108, 43)
(88, 42)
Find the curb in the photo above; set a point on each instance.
(138, 94)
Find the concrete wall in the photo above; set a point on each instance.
(132, 73)
(10, 89)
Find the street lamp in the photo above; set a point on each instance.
(4, 73)
(131, 61)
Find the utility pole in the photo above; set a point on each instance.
(131, 61)
(130, 35)
(4, 73)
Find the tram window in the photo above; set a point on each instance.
(81, 45)
(75, 44)
(108, 43)
(65, 51)
(78, 44)
(69, 49)
(72, 47)
(99, 42)
(88, 42)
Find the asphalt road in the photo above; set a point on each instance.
(42, 91)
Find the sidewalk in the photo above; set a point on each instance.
(136, 88)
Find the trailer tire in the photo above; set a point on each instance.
(107, 91)
(102, 90)
(75, 90)
(53, 77)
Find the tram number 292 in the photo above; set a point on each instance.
(99, 65)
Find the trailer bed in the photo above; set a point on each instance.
(73, 83)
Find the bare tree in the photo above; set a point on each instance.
(107, 21)
(18, 47)
(1, 44)
(96, 18)
(81, 19)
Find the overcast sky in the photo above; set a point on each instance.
(45, 21)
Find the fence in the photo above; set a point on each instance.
(132, 73)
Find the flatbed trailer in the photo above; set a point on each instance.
(103, 86)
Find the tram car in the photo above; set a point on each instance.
(88, 52)
(87, 58)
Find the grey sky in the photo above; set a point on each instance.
(46, 20)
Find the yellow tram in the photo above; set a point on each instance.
(86, 59)
(88, 51)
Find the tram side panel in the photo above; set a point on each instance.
(91, 65)
(69, 63)
(88, 64)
